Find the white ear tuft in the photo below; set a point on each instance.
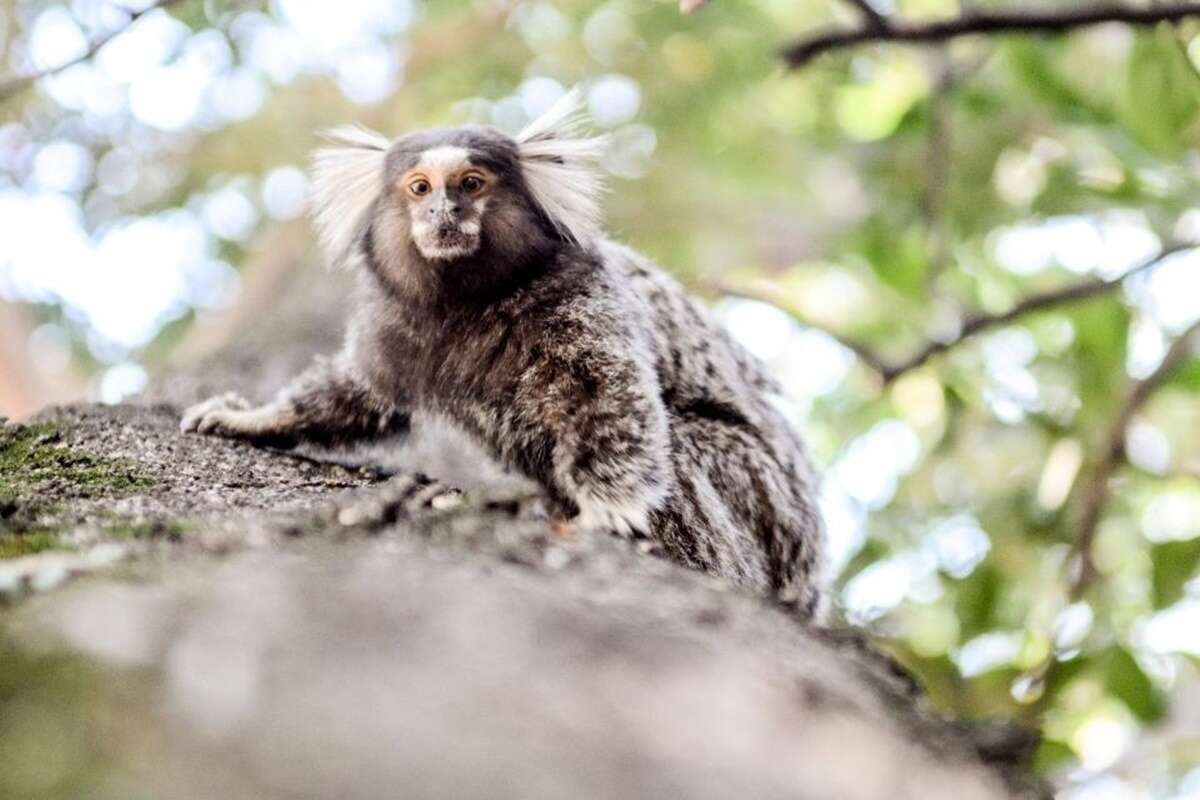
(559, 162)
(346, 180)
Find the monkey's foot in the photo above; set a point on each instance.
(401, 496)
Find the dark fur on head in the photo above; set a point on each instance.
(516, 237)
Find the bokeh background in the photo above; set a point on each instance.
(839, 217)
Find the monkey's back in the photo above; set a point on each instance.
(745, 499)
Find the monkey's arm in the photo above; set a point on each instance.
(601, 406)
(328, 405)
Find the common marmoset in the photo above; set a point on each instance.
(489, 296)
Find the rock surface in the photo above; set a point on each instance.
(259, 625)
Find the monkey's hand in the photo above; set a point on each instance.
(327, 405)
(232, 416)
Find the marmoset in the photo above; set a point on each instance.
(488, 295)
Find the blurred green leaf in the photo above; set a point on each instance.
(1161, 93)
(1186, 376)
(897, 257)
(1174, 564)
(1032, 63)
(1052, 754)
(975, 599)
(1126, 681)
(1101, 335)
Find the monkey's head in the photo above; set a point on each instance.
(464, 207)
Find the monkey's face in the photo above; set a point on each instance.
(446, 196)
(454, 194)
(456, 214)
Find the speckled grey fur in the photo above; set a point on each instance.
(578, 363)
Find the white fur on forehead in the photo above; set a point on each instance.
(346, 179)
(443, 159)
(559, 162)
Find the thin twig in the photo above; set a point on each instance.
(1081, 563)
(1112, 455)
(937, 167)
(15, 84)
(1056, 20)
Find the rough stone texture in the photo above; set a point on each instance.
(258, 625)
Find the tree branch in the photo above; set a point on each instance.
(1081, 562)
(14, 84)
(978, 323)
(1113, 455)
(971, 326)
(984, 22)
(937, 167)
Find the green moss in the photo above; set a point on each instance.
(172, 530)
(34, 465)
(15, 545)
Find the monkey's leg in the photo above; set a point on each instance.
(327, 405)
(608, 429)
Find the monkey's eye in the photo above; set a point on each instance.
(420, 187)
(471, 184)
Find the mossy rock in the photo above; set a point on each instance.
(33, 462)
(28, 542)
(38, 472)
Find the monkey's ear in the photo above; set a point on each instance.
(560, 164)
(346, 179)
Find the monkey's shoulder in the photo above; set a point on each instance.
(694, 351)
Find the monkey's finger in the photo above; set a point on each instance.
(194, 415)
(224, 422)
(191, 419)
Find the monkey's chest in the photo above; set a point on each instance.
(477, 378)
(451, 366)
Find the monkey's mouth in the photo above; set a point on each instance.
(454, 236)
(445, 242)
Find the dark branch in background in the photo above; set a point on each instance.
(15, 84)
(1081, 562)
(1113, 455)
(971, 326)
(970, 23)
(937, 166)
(978, 323)
(947, 75)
